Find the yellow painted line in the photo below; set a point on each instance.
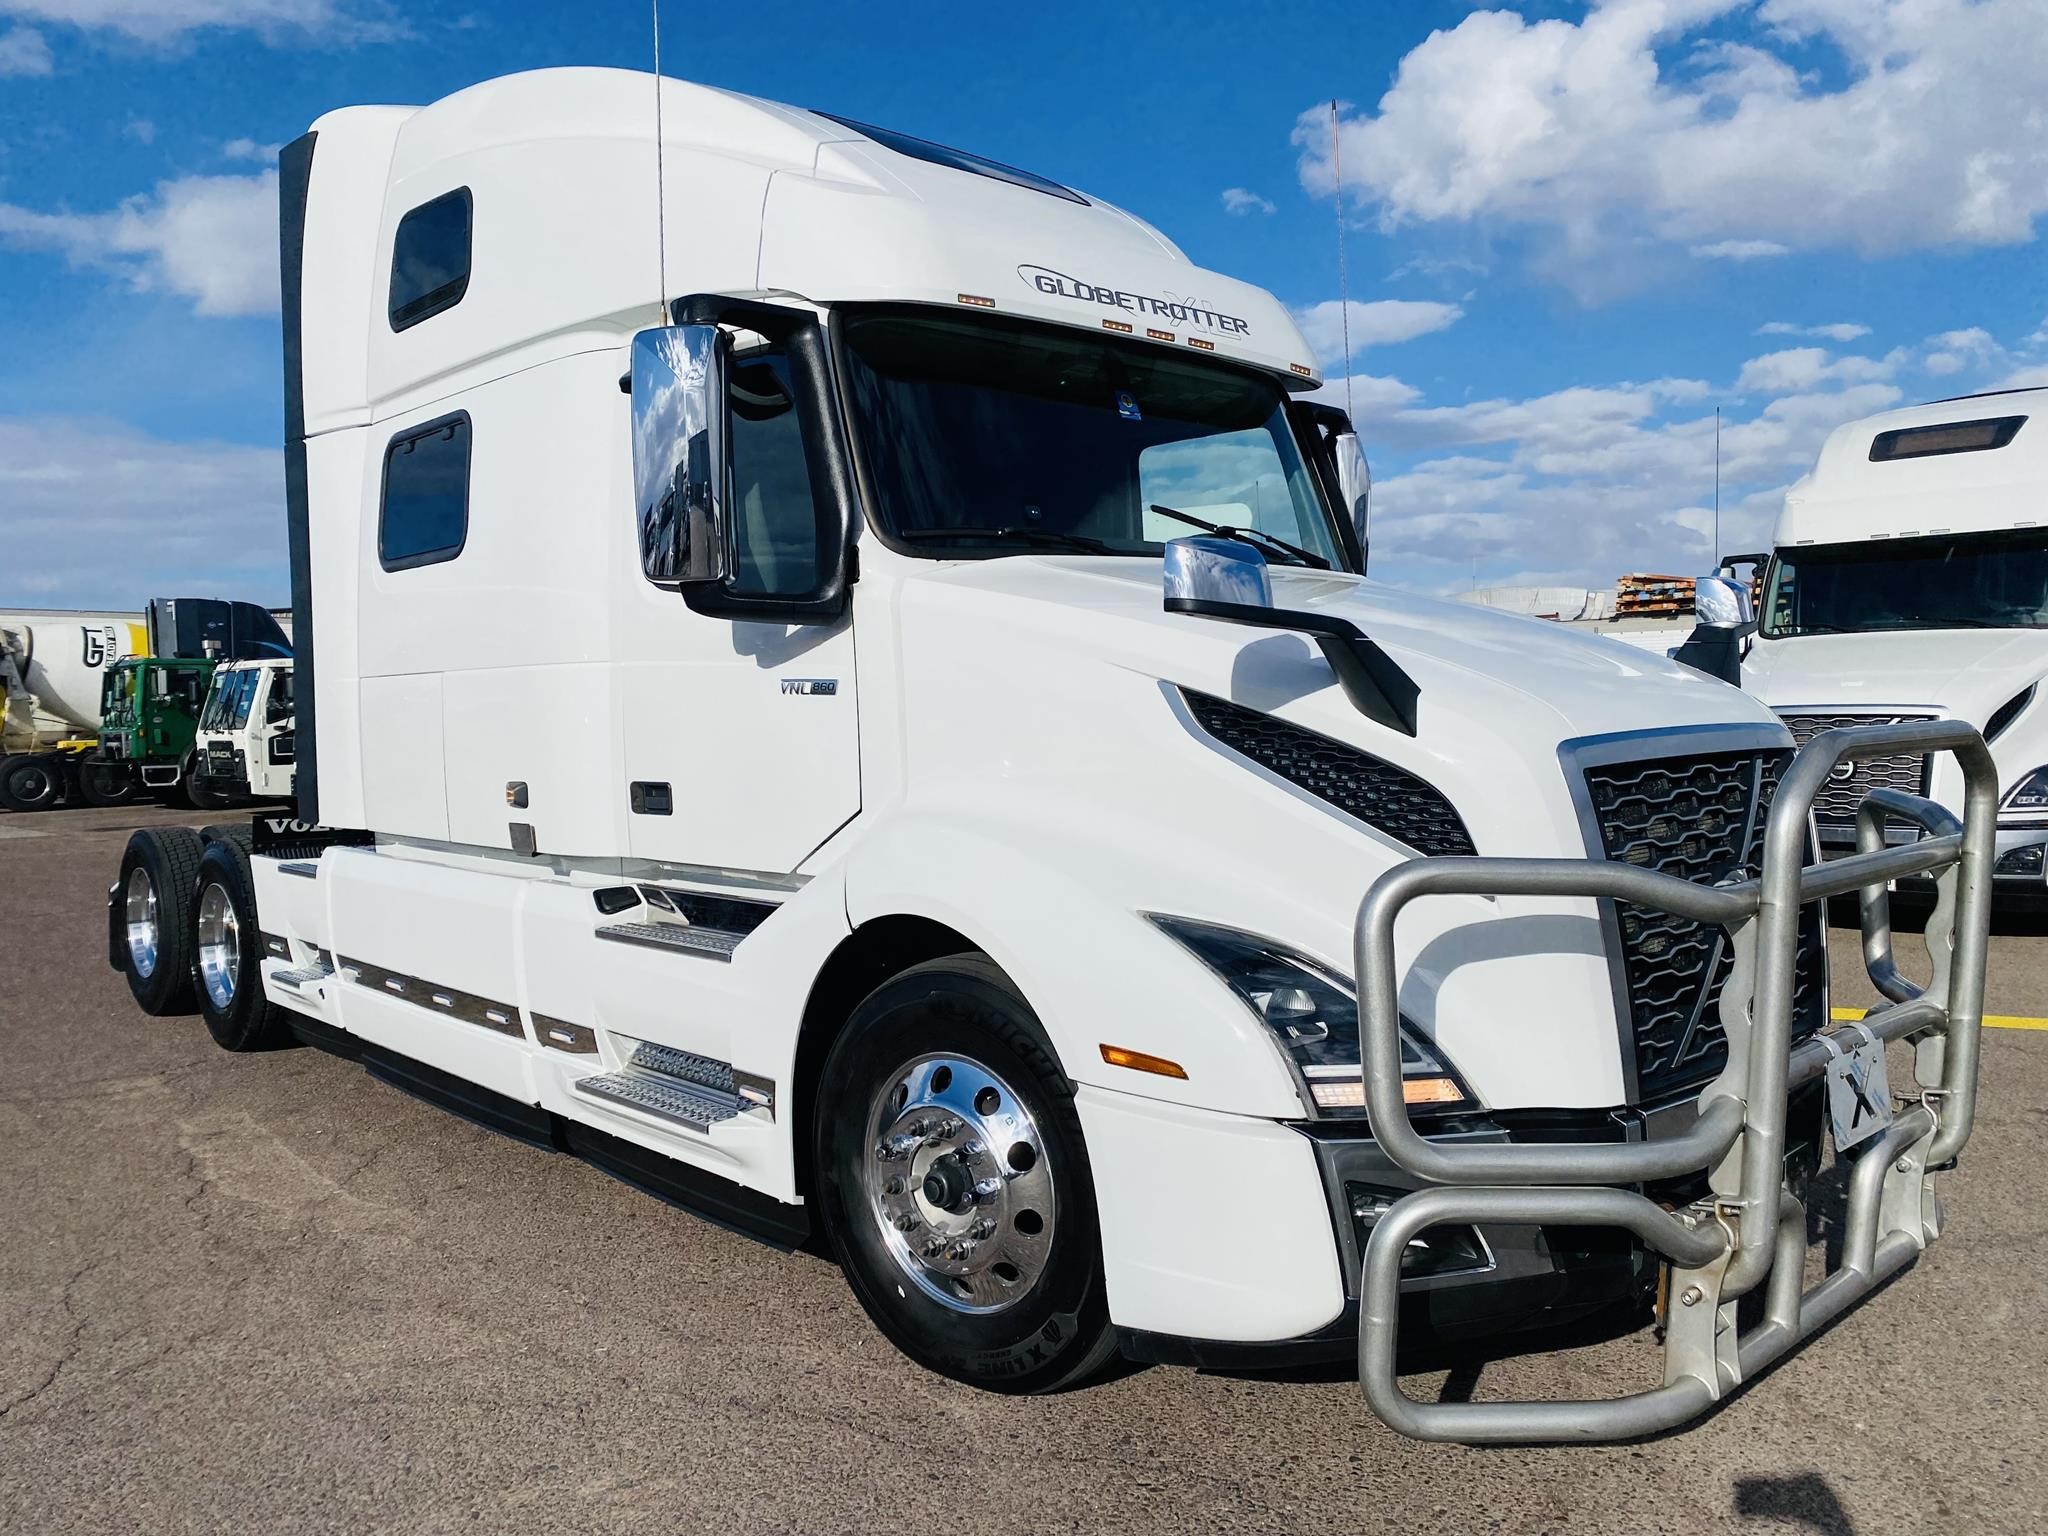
(1991, 1020)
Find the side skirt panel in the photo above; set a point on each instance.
(704, 1195)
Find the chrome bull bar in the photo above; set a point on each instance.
(1751, 1232)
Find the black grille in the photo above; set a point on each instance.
(1835, 805)
(1391, 799)
(1701, 819)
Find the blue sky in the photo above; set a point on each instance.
(1573, 232)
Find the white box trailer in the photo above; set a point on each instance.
(875, 728)
(1909, 581)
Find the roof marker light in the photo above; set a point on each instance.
(977, 301)
(1303, 369)
(1117, 325)
(1158, 335)
(1140, 1061)
(1206, 346)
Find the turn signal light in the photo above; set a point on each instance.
(1349, 1093)
(1139, 1061)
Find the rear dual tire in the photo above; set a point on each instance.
(227, 951)
(31, 781)
(156, 899)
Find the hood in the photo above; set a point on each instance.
(1499, 694)
(1966, 673)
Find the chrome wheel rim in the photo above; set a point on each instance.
(139, 911)
(220, 947)
(958, 1183)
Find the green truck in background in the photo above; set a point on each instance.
(149, 717)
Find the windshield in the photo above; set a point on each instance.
(986, 436)
(1951, 581)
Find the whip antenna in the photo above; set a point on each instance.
(660, 178)
(1343, 292)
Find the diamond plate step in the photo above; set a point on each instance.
(686, 1066)
(708, 943)
(689, 1105)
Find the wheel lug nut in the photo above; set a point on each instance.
(959, 1251)
(987, 1190)
(982, 1230)
(970, 1150)
(893, 1187)
(906, 1223)
(934, 1249)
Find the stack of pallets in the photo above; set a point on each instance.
(1652, 597)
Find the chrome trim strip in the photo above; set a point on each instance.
(561, 1035)
(501, 1018)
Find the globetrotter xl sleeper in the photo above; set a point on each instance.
(878, 745)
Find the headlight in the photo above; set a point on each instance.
(1313, 1013)
(2028, 799)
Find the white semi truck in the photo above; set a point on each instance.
(243, 749)
(835, 681)
(1909, 581)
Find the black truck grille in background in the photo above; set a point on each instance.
(1835, 805)
(1701, 819)
(1391, 799)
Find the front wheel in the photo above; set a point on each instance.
(955, 1186)
(31, 782)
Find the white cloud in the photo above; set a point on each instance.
(1740, 250)
(1241, 200)
(249, 149)
(1953, 351)
(1797, 368)
(1378, 323)
(210, 239)
(24, 51)
(141, 129)
(1627, 129)
(167, 21)
(1838, 331)
(2033, 377)
(203, 516)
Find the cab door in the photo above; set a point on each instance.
(740, 744)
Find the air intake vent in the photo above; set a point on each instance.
(1390, 799)
(1700, 819)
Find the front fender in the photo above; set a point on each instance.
(1092, 967)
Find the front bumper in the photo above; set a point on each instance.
(1484, 1281)
(2019, 865)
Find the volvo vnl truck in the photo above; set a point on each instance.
(1909, 581)
(835, 680)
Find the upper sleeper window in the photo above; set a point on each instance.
(430, 259)
(956, 159)
(1949, 437)
(424, 516)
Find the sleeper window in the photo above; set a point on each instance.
(430, 259)
(424, 517)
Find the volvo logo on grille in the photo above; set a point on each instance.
(1842, 773)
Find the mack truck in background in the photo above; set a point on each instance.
(1909, 582)
(1152, 936)
(243, 747)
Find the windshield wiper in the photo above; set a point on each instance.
(1250, 536)
(1047, 537)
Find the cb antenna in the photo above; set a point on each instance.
(660, 179)
(1343, 292)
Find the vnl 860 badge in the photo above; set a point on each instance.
(1859, 1093)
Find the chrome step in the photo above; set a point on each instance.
(685, 1066)
(709, 943)
(689, 1105)
(301, 978)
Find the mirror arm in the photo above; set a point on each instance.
(1371, 679)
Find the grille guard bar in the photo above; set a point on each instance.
(1753, 1229)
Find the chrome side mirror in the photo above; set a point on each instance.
(1722, 602)
(1354, 485)
(1200, 571)
(681, 469)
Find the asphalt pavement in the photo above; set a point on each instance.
(270, 1293)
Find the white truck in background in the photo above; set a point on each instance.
(1909, 581)
(244, 747)
(1151, 936)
